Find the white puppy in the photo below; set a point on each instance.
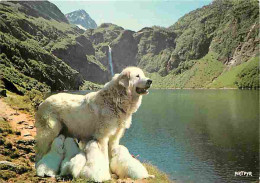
(77, 163)
(125, 166)
(95, 168)
(71, 149)
(50, 163)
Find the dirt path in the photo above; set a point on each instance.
(19, 121)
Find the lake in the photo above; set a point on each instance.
(198, 135)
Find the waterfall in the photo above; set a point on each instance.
(110, 60)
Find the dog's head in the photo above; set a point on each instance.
(134, 80)
(119, 150)
(58, 144)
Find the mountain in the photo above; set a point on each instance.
(214, 46)
(82, 19)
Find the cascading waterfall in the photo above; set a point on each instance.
(110, 60)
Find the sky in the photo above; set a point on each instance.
(133, 14)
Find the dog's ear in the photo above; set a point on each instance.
(124, 79)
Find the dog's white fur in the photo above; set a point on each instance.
(71, 149)
(125, 166)
(103, 115)
(94, 168)
(77, 163)
(50, 163)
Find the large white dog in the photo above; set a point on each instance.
(103, 115)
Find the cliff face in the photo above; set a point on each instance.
(81, 18)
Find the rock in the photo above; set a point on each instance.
(27, 149)
(27, 135)
(26, 142)
(29, 127)
(6, 165)
(12, 86)
(3, 93)
(20, 122)
(6, 174)
(8, 145)
(17, 133)
(2, 141)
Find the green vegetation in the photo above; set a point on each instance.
(245, 75)
(92, 59)
(159, 176)
(27, 103)
(192, 74)
(249, 76)
(43, 46)
(87, 85)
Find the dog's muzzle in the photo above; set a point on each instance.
(143, 91)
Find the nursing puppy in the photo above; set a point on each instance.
(125, 166)
(71, 149)
(103, 115)
(77, 163)
(94, 168)
(50, 163)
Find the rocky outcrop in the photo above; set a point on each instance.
(81, 57)
(82, 18)
(124, 50)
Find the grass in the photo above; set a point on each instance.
(27, 103)
(197, 75)
(229, 78)
(159, 175)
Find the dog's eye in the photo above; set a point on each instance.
(138, 76)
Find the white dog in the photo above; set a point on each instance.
(50, 163)
(94, 168)
(125, 166)
(71, 149)
(104, 114)
(77, 163)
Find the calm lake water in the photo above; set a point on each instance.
(198, 135)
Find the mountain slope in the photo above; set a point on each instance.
(201, 46)
(81, 18)
(45, 48)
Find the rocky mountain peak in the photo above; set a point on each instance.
(82, 19)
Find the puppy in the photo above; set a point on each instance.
(50, 163)
(76, 164)
(71, 149)
(95, 168)
(125, 166)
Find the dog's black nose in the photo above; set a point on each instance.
(149, 81)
